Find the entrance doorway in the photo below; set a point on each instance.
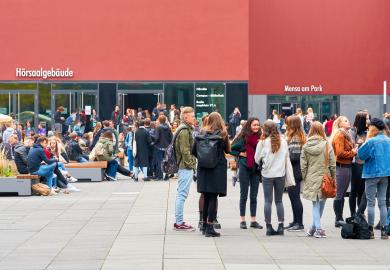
(134, 99)
(22, 105)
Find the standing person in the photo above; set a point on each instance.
(244, 147)
(313, 170)
(308, 119)
(141, 160)
(94, 118)
(345, 151)
(272, 151)
(129, 147)
(359, 136)
(28, 129)
(116, 117)
(150, 128)
(299, 113)
(234, 121)
(296, 139)
(376, 170)
(211, 182)
(59, 120)
(186, 163)
(329, 126)
(172, 113)
(162, 139)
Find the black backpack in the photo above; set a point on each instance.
(207, 150)
(355, 228)
(169, 164)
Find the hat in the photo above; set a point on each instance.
(378, 123)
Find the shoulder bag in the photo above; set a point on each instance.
(328, 187)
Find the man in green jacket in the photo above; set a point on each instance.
(186, 163)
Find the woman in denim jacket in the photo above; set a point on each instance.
(375, 153)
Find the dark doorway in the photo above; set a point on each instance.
(144, 101)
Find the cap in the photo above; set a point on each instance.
(378, 123)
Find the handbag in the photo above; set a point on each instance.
(328, 186)
(289, 179)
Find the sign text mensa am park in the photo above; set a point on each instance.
(302, 89)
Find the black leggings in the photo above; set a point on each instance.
(357, 187)
(210, 207)
(294, 193)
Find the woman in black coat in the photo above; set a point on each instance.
(141, 159)
(212, 182)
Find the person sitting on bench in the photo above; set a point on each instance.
(21, 153)
(74, 150)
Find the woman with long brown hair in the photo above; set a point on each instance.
(244, 147)
(313, 170)
(295, 139)
(212, 182)
(272, 153)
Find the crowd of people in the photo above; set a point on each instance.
(355, 155)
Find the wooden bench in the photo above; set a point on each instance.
(20, 185)
(92, 170)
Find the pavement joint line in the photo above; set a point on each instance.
(166, 225)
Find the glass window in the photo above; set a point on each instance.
(44, 108)
(180, 94)
(75, 86)
(140, 86)
(209, 97)
(18, 86)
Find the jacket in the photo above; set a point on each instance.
(117, 119)
(129, 140)
(343, 146)
(104, 150)
(313, 166)
(21, 153)
(183, 147)
(8, 150)
(35, 156)
(376, 153)
(74, 150)
(274, 164)
(100, 132)
(163, 136)
(295, 150)
(213, 180)
(7, 133)
(143, 142)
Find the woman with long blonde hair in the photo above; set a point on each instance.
(272, 151)
(295, 139)
(345, 150)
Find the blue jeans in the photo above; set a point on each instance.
(143, 169)
(82, 159)
(61, 166)
(47, 171)
(185, 177)
(112, 167)
(376, 186)
(130, 159)
(318, 209)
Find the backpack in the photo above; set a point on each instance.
(169, 164)
(68, 150)
(355, 228)
(40, 189)
(207, 150)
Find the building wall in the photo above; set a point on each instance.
(258, 106)
(350, 104)
(127, 40)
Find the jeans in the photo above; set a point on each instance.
(82, 159)
(143, 169)
(343, 178)
(130, 159)
(376, 186)
(185, 177)
(159, 158)
(47, 171)
(357, 187)
(270, 186)
(318, 210)
(112, 167)
(294, 193)
(248, 179)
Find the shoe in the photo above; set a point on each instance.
(270, 231)
(200, 224)
(210, 232)
(146, 179)
(159, 179)
(311, 232)
(71, 179)
(203, 228)
(234, 180)
(71, 188)
(371, 229)
(216, 224)
(338, 210)
(319, 233)
(255, 225)
(378, 226)
(52, 192)
(243, 225)
(291, 224)
(166, 178)
(280, 230)
(296, 228)
(109, 178)
(384, 235)
(183, 227)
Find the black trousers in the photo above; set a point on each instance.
(210, 207)
(294, 193)
(357, 187)
(248, 179)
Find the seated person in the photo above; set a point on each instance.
(74, 150)
(9, 147)
(57, 150)
(21, 153)
(104, 151)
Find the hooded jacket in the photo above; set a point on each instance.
(21, 153)
(163, 136)
(35, 156)
(313, 166)
(104, 150)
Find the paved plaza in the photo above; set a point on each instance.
(128, 225)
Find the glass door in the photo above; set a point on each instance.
(134, 99)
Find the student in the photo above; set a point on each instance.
(162, 139)
(376, 170)
(244, 147)
(313, 170)
(211, 182)
(272, 151)
(296, 139)
(345, 151)
(143, 142)
(129, 147)
(21, 153)
(74, 150)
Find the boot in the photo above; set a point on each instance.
(216, 224)
(270, 230)
(280, 230)
(203, 228)
(200, 224)
(384, 235)
(371, 229)
(378, 226)
(337, 207)
(210, 232)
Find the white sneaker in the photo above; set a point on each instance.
(71, 179)
(52, 192)
(320, 233)
(72, 188)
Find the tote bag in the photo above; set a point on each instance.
(289, 179)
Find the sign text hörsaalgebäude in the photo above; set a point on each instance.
(44, 73)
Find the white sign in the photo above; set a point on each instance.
(88, 110)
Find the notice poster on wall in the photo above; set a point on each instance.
(209, 98)
(88, 110)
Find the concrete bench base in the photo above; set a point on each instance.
(21, 187)
(92, 174)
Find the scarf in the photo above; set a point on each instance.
(250, 145)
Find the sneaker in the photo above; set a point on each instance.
(71, 188)
(71, 179)
(311, 232)
(234, 180)
(146, 179)
(109, 178)
(319, 233)
(255, 225)
(291, 224)
(384, 235)
(52, 192)
(183, 227)
(243, 225)
(296, 228)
